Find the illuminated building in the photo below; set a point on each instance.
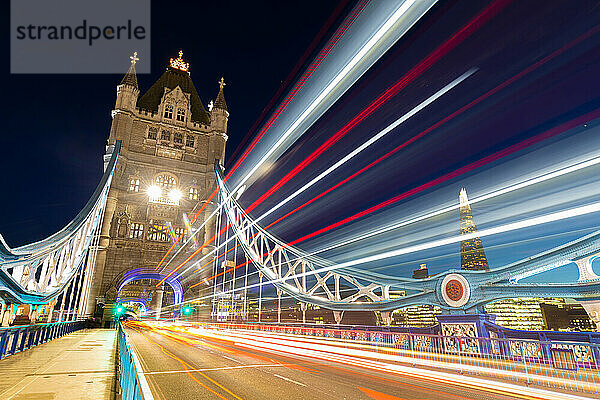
(421, 273)
(472, 255)
(540, 314)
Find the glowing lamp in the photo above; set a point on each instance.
(175, 195)
(187, 310)
(154, 192)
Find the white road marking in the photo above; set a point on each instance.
(232, 359)
(290, 380)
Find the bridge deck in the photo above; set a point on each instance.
(80, 365)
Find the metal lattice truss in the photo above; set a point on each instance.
(38, 272)
(295, 272)
(315, 281)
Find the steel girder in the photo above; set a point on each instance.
(290, 269)
(38, 272)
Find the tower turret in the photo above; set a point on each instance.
(127, 90)
(219, 113)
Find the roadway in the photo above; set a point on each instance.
(181, 365)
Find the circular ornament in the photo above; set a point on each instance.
(455, 290)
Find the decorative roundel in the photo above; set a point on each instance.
(455, 290)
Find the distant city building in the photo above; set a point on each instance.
(418, 316)
(566, 317)
(472, 255)
(540, 314)
(421, 273)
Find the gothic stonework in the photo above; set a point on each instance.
(169, 143)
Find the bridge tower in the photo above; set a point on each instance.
(165, 170)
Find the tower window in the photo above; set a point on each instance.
(193, 195)
(168, 111)
(189, 141)
(152, 133)
(134, 184)
(165, 135)
(165, 181)
(180, 114)
(136, 230)
(178, 138)
(158, 231)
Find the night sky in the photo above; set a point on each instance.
(537, 66)
(57, 125)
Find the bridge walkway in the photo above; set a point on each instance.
(80, 365)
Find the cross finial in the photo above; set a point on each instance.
(134, 58)
(222, 83)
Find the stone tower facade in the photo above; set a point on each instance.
(165, 170)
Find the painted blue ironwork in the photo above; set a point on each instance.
(38, 272)
(19, 338)
(133, 385)
(317, 281)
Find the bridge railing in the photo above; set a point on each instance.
(20, 338)
(563, 365)
(133, 383)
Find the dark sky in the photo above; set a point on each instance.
(56, 126)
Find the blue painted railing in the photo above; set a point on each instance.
(19, 338)
(132, 381)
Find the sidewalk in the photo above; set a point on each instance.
(80, 365)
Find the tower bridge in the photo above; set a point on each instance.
(163, 263)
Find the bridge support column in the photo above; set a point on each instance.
(278, 306)
(386, 317)
(260, 296)
(303, 307)
(50, 309)
(33, 313)
(158, 299)
(337, 316)
(4, 316)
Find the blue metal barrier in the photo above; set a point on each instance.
(133, 384)
(19, 338)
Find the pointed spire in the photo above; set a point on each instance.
(220, 100)
(130, 77)
(472, 253)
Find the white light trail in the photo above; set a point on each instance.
(350, 155)
(553, 217)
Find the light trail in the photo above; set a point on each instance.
(528, 70)
(414, 72)
(519, 146)
(339, 163)
(376, 40)
(461, 171)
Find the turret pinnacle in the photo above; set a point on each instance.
(130, 77)
(220, 100)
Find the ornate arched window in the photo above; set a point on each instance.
(189, 141)
(180, 114)
(165, 135)
(165, 181)
(152, 133)
(178, 138)
(168, 111)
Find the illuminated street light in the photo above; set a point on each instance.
(175, 195)
(154, 192)
(187, 310)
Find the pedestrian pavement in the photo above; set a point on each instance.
(80, 365)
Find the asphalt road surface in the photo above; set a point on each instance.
(183, 366)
